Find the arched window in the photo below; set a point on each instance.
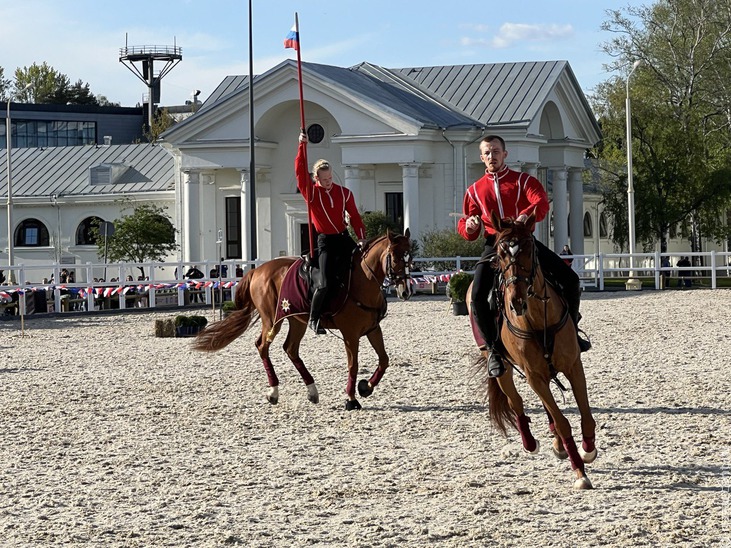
(603, 230)
(588, 228)
(31, 233)
(85, 233)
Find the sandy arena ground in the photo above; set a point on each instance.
(112, 437)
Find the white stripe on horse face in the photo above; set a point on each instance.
(514, 248)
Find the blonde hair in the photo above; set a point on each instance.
(321, 165)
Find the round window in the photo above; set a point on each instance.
(315, 133)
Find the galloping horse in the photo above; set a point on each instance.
(258, 293)
(539, 338)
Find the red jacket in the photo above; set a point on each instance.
(519, 193)
(327, 208)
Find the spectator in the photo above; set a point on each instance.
(683, 275)
(194, 273)
(567, 251)
(239, 271)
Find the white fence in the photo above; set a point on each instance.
(122, 285)
(593, 270)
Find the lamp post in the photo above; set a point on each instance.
(8, 135)
(632, 282)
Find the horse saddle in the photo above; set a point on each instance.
(295, 295)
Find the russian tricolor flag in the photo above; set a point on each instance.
(293, 39)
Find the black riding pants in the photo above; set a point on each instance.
(334, 251)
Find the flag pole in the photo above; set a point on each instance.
(302, 128)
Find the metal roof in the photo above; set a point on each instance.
(65, 171)
(495, 94)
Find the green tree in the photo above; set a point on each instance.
(681, 118)
(5, 90)
(448, 243)
(147, 234)
(161, 121)
(50, 87)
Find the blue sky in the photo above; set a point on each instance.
(82, 38)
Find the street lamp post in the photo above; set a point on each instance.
(8, 135)
(632, 282)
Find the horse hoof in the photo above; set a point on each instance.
(560, 453)
(312, 394)
(273, 395)
(583, 483)
(589, 457)
(535, 451)
(364, 389)
(352, 405)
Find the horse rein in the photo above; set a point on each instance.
(392, 278)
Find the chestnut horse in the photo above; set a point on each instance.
(538, 337)
(257, 294)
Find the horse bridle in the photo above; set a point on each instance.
(512, 248)
(392, 278)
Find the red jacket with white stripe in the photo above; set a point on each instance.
(327, 208)
(515, 194)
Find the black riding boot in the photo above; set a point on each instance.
(573, 303)
(485, 319)
(318, 299)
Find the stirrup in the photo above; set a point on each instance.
(495, 366)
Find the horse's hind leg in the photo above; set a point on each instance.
(515, 402)
(268, 332)
(291, 346)
(557, 446)
(365, 387)
(588, 425)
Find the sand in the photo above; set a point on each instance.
(112, 437)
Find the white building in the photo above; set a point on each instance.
(405, 141)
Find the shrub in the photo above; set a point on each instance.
(228, 306)
(448, 243)
(458, 286)
(190, 321)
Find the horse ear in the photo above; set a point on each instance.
(530, 222)
(496, 221)
(407, 233)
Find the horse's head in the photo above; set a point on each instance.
(396, 261)
(516, 260)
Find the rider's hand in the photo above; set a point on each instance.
(473, 224)
(303, 137)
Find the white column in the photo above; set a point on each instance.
(352, 183)
(576, 211)
(541, 230)
(560, 209)
(245, 214)
(208, 216)
(410, 176)
(191, 206)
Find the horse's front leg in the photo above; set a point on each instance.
(515, 402)
(351, 349)
(541, 387)
(375, 337)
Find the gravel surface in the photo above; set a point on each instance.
(112, 437)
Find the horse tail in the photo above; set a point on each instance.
(222, 333)
(500, 413)
(497, 402)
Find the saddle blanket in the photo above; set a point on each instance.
(294, 296)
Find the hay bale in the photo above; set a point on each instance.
(164, 328)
